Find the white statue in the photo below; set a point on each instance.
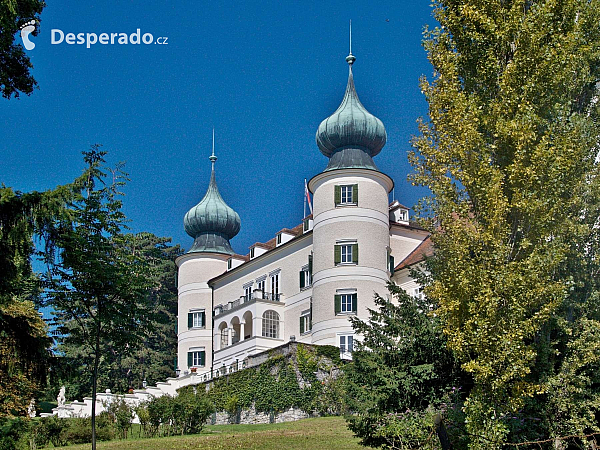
(31, 409)
(61, 397)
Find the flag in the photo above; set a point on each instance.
(307, 195)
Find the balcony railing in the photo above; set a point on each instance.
(256, 295)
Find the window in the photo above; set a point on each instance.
(306, 321)
(345, 303)
(196, 358)
(391, 264)
(346, 195)
(270, 324)
(196, 319)
(418, 292)
(224, 337)
(279, 239)
(261, 285)
(275, 286)
(252, 253)
(305, 278)
(229, 263)
(248, 292)
(346, 344)
(345, 253)
(306, 225)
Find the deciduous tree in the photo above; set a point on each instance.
(98, 289)
(509, 155)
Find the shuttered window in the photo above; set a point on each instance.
(346, 303)
(197, 358)
(196, 319)
(346, 194)
(345, 254)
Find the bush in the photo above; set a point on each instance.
(123, 416)
(14, 434)
(184, 414)
(51, 429)
(80, 429)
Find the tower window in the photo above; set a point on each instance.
(346, 344)
(346, 194)
(197, 358)
(345, 253)
(196, 319)
(346, 303)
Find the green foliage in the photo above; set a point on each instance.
(14, 433)
(509, 155)
(184, 414)
(23, 336)
(24, 344)
(281, 383)
(152, 360)
(14, 71)
(123, 416)
(400, 369)
(98, 288)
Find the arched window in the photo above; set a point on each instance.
(270, 324)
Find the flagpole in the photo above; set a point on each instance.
(304, 199)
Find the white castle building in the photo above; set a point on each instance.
(307, 281)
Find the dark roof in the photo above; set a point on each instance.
(423, 250)
(410, 225)
(269, 246)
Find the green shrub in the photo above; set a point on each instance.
(80, 429)
(191, 409)
(123, 416)
(51, 429)
(14, 433)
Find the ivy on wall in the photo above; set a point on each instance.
(308, 379)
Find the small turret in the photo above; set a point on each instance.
(212, 223)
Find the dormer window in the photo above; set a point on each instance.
(252, 253)
(229, 264)
(279, 239)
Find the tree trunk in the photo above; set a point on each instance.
(94, 383)
(442, 434)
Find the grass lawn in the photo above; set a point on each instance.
(318, 433)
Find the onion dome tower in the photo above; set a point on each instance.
(351, 235)
(351, 136)
(212, 223)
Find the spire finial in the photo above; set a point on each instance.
(350, 58)
(212, 157)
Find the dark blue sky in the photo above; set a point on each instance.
(264, 74)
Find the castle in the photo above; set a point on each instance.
(305, 283)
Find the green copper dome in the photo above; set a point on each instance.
(351, 136)
(212, 223)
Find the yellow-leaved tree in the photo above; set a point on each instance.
(509, 153)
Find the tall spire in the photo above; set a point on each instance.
(350, 58)
(351, 136)
(212, 223)
(212, 157)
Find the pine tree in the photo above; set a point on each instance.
(400, 369)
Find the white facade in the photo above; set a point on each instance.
(306, 282)
(259, 303)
